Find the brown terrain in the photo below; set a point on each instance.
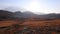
(31, 26)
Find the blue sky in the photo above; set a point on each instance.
(36, 6)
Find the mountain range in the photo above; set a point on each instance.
(18, 14)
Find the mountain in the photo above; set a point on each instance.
(28, 14)
(49, 16)
(5, 14)
(17, 14)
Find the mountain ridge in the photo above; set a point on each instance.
(19, 14)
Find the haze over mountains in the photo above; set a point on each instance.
(22, 13)
(4, 14)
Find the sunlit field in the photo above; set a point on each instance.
(30, 26)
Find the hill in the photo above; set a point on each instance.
(5, 15)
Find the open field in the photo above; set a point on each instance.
(30, 27)
(42, 23)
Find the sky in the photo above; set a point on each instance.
(35, 6)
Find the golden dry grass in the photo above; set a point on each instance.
(37, 27)
(8, 22)
(39, 23)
